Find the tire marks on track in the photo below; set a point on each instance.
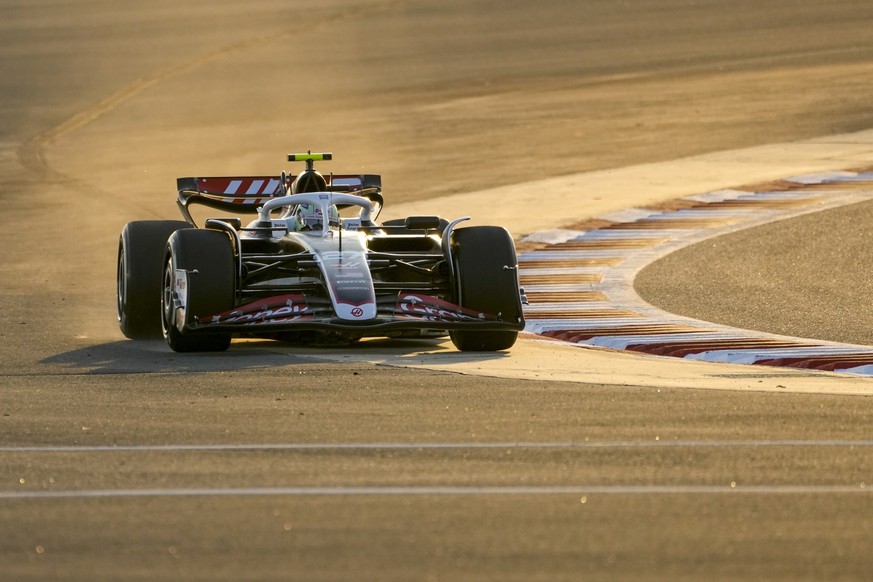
(31, 153)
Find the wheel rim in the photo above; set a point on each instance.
(121, 291)
(167, 298)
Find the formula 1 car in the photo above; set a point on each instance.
(313, 266)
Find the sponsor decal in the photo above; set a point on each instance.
(180, 289)
(425, 307)
(352, 183)
(357, 312)
(180, 296)
(273, 310)
(180, 283)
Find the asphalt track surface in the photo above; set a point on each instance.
(122, 460)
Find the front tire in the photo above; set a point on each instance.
(141, 248)
(486, 279)
(207, 257)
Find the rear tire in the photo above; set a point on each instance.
(486, 279)
(141, 249)
(207, 257)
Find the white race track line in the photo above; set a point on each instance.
(585, 491)
(437, 490)
(298, 447)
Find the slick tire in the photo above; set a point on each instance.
(141, 248)
(486, 279)
(207, 256)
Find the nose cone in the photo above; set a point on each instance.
(349, 283)
(355, 312)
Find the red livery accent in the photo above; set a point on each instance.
(279, 309)
(242, 186)
(417, 306)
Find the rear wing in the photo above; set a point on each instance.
(244, 194)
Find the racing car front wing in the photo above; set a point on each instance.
(405, 311)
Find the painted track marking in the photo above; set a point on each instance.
(437, 490)
(279, 447)
(603, 310)
(731, 489)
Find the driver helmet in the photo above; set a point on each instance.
(308, 181)
(309, 217)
